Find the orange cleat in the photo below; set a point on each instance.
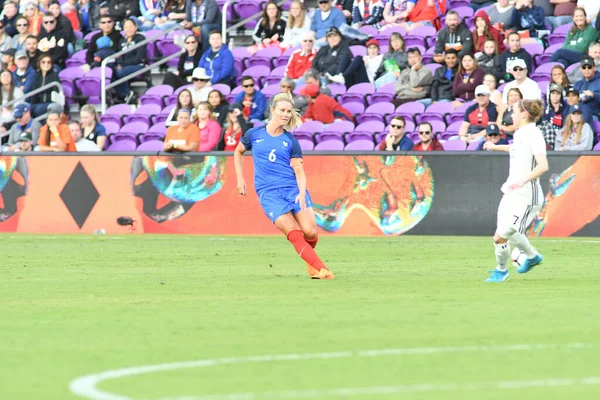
(324, 273)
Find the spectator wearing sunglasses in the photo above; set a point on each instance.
(188, 60)
(107, 32)
(428, 142)
(396, 139)
(478, 116)
(492, 134)
(254, 101)
(18, 41)
(527, 86)
(301, 60)
(62, 23)
(53, 41)
(201, 86)
(11, 14)
(589, 86)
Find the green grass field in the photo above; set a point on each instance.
(74, 306)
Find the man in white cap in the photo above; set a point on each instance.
(478, 116)
(301, 59)
(201, 87)
(528, 87)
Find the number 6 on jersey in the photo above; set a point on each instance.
(272, 156)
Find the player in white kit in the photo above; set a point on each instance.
(523, 194)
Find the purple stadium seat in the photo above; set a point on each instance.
(545, 69)
(329, 135)
(274, 77)
(71, 74)
(433, 67)
(357, 93)
(437, 125)
(437, 111)
(151, 145)
(164, 114)
(414, 136)
(545, 58)
(340, 126)
(464, 12)
(428, 55)
(311, 127)
(264, 57)
(136, 128)
(454, 145)
(556, 38)
(156, 95)
(369, 30)
(144, 113)
(240, 53)
(111, 127)
(573, 67)
(330, 145)
(246, 9)
(459, 113)
(359, 135)
(358, 50)
(454, 127)
(384, 94)
(473, 145)
(270, 90)
(76, 60)
(160, 128)
(370, 126)
(306, 145)
(166, 46)
(534, 49)
(563, 29)
(375, 112)
(221, 87)
(256, 72)
(303, 135)
(355, 107)
(122, 145)
(418, 36)
(360, 145)
(116, 113)
(410, 110)
(458, 3)
(336, 89)
(89, 85)
(543, 85)
(596, 147)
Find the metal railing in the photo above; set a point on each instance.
(33, 93)
(104, 87)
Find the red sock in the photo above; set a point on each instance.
(304, 249)
(312, 242)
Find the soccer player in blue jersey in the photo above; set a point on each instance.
(280, 181)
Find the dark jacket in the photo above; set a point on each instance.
(40, 80)
(137, 56)
(114, 36)
(212, 14)
(259, 104)
(528, 19)
(59, 51)
(401, 58)
(26, 80)
(220, 112)
(218, 65)
(466, 90)
(461, 40)
(593, 85)
(186, 70)
(328, 58)
(441, 87)
(262, 32)
(507, 57)
(121, 9)
(10, 27)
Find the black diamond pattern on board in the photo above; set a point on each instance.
(79, 195)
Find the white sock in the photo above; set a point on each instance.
(521, 241)
(502, 252)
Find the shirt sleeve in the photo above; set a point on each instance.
(296, 151)
(246, 139)
(100, 130)
(538, 144)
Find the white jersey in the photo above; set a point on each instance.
(528, 141)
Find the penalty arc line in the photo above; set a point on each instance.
(86, 386)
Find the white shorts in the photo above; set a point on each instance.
(514, 215)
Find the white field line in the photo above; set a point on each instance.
(385, 390)
(86, 386)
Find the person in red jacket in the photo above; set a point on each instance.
(428, 141)
(428, 12)
(301, 59)
(485, 31)
(323, 108)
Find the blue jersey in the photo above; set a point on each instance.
(272, 156)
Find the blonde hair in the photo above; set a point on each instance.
(88, 108)
(569, 126)
(295, 120)
(533, 108)
(299, 23)
(211, 110)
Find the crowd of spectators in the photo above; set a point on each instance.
(479, 64)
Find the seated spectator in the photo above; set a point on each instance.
(93, 130)
(210, 130)
(396, 139)
(297, 26)
(8, 60)
(393, 62)
(505, 112)
(500, 14)
(301, 60)
(129, 63)
(54, 42)
(81, 144)
(426, 13)
(577, 135)
(184, 101)
(331, 58)
(490, 81)
(45, 75)
(24, 124)
(563, 13)
(527, 19)
(120, 10)
(594, 52)
(327, 17)
(478, 116)
(184, 136)
(201, 87)
(287, 85)
(313, 77)
(579, 38)
(589, 86)
(8, 92)
(323, 108)
(367, 13)
(254, 101)
(552, 119)
(488, 58)
(346, 7)
(492, 134)
(510, 56)
(414, 82)
(174, 14)
(558, 76)
(395, 13)
(4, 38)
(456, 35)
(484, 31)
(468, 78)
(204, 16)
(151, 13)
(269, 29)
(528, 87)
(234, 128)
(360, 69)
(188, 60)
(62, 23)
(11, 13)
(108, 38)
(55, 136)
(24, 143)
(18, 41)
(220, 106)
(34, 17)
(218, 61)
(31, 46)
(428, 141)
(443, 80)
(574, 98)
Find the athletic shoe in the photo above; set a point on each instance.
(324, 273)
(530, 263)
(498, 276)
(339, 78)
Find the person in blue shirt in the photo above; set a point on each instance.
(254, 102)
(280, 181)
(396, 140)
(218, 61)
(589, 86)
(24, 75)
